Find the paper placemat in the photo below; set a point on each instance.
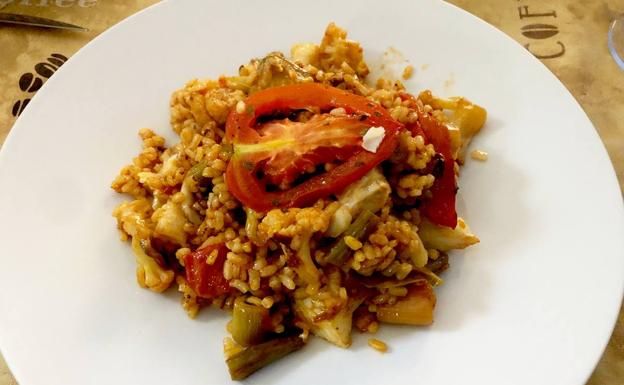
(569, 37)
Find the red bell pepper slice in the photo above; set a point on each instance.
(440, 208)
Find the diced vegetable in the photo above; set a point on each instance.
(416, 252)
(274, 71)
(336, 328)
(305, 269)
(252, 358)
(371, 193)
(339, 253)
(170, 163)
(248, 322)
(271, 71)
(207, 279)
(305, 53)
(445, 238)
(432, 277)
(134, 218)
(170, 221)
(340, 222)
(466, 119)
(415, 309)
(195, 172)
(193, 176)
(439, 264)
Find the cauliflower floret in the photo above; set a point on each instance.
(220, 101)
(188, 105)
(149, 273)
(305, 53)
(154, 180)
(336, 330)
(170, 221)
(335, 49)
(129, 180)
(133, 218)
(328, 314)
(296, 221)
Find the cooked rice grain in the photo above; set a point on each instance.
(377, 345)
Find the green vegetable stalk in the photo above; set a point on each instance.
(339, 253)
(255, 357)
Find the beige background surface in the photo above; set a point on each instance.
(568, 36)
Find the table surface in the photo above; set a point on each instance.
(574, 48)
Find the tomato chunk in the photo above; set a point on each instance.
(278, 152)
(288, 149)
(207, 280)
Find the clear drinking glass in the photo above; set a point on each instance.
(616, 40)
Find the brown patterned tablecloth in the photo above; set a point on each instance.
(570, 37)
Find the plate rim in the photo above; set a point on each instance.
(42, 94)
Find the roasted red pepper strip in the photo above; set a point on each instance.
(241, 175)
(207, 280)
(440, 208)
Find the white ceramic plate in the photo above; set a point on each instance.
(533, 303)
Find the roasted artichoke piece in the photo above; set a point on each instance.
(243, 362)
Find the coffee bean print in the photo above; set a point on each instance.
(45, 69)
(29, 83)
(16, 108)
(19, 106)
(539, 31)
(55, 61)
(36, 85)
(25, 81)
(59, 56)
